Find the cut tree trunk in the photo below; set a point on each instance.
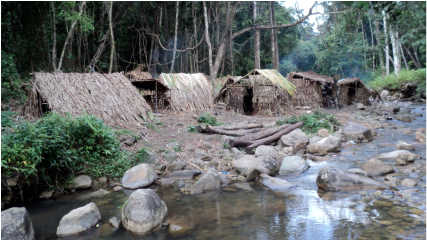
(248, 139)
(240, 132)
(213, 129)
(270, 139)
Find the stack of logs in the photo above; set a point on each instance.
(250, 136)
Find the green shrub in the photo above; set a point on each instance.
(10, 79)
(210, 120)
(396, 82)
(55, 147)
(315, 121)
(5, 120)
(191, 128)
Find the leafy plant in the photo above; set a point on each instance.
(191, 128)
(5, 120)
(210, 120)
(225, 145)
(315, 121)
(150, 126)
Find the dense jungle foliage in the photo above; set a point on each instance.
(351, 39)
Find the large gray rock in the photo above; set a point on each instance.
(143, 212)
(325, 145)
(265, 164)
(176, 166)
(82, 182)
(356, 132)
(335, 179)
(209, 180)
(384, 94)
(293, 164)
(201, 154)
(139, 176)
(185, 174)
(265, 151)
(401, 145)
(79, 220)
(376, 167)
(169, 156)
(405, 118)
(294, 137)
(275, 184)
(16, 224)
(401, 154)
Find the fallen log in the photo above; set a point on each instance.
(270, 139)
(248, 139)
(241, 132)
(234, 127)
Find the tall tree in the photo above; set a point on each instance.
(110, 13)
(175, 38)
(208, 42)
(257, 44)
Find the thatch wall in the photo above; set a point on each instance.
(222, 94)
(267, 91)
(110, 97)
(189, 92)
(354, 90)
(309, 88)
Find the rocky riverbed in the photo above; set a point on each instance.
(212, 191)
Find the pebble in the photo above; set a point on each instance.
(408, 182)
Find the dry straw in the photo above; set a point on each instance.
(189, 92)
(110, 97)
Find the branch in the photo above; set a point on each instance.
(275, 26)
(180, 51)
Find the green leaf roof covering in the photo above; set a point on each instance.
(275, 77)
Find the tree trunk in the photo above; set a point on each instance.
(242, 141)
(273, 46)
(176, 36)
(411, 56)
(372, 43)
(387, 63)
(113, 45)
(54, 38)
(195, 52)
(416, 56)
(395, 48)
(257, 45)
(403, 55)
(208, 42)
(270, 139)
(165, 55)
(68, 36)
(377, 30)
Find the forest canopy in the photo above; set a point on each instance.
(353, 39)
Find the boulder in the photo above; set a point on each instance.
(176, 166)
(253, 174)
(356, 132)
(130, 140)
(100, 193)
(384, 94)
(16, 224)
(79, 220)
(165, 181)
(201, 154)
(376, 167)
(360, 106)
(209, 180)
(46, 194)
(408, 182)
(114, 222)
(294, 137)
(143, 212)
(298, 149)
(185, 174)
(420, 136)
(151, 157)
(169, 156)
(265, 164)
(139, 176)
(405, 118)
(401, 145)
(323, 132)
(401, 154)
(359, 171)
(275, 184)
(293, 164)
(325, 145)
(82, 182)
(335, 179)
(265, 151)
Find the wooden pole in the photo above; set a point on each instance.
(156, 97)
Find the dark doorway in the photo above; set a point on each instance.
(351, 93)
(248, 106)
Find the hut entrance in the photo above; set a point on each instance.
(351, 93)
(248, 106)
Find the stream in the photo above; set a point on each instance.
(251, 211)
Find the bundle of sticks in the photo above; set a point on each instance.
(250, 136)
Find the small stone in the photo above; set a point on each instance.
(405, 146)
(419, 136)
(409, 182)
(400, 162)
(114, 222)
(12, 181)
(102, 180)
(82, 182)
(323, 133)
(117, 188)
(46, 194)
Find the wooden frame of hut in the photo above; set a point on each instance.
(110, 97)
(260, 92)
(189, 92)
(222, 94)
(309, 88)
(154, 92)
(354, 90)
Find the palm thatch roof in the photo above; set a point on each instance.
(189, 92)
(313, 76)
(272, 75)
(351, 81)
(138, 73)
(110, 97)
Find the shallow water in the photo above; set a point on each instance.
(250, 211)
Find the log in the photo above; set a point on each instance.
(270, 139)
(245, 140)
(235, 132)
(200, 129)
(234, 127)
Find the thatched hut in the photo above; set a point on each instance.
(189, 92)
(354, 90)
(309, 88)
(110, 97)
(154, 92)
(222, 94)
(260, 92)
